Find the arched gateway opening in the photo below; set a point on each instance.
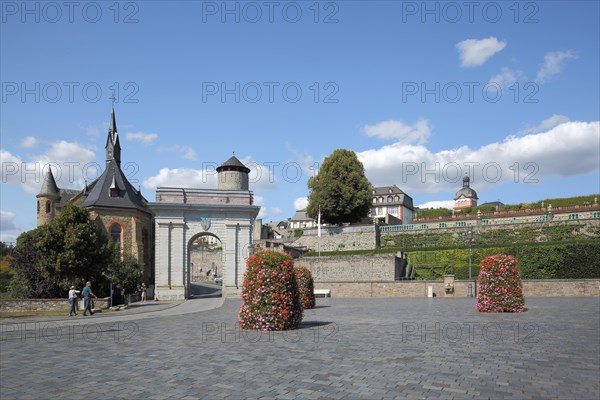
(205, 265)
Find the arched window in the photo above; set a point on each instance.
(390, 199)
(115, 233)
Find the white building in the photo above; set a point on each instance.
(391, 201)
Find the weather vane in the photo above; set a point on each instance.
(113, 98)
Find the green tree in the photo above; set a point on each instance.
(68, 251)
(340, 189)
(74, 250)
(126, 274)
(27, 280)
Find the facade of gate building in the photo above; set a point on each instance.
(184, 215)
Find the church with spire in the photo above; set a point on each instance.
(113, 202)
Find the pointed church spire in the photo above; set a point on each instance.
(113, 145)
(49, 187)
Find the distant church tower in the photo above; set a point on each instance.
(466, 196)
(46, 199)
(233, 175)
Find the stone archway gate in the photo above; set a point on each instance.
(180, 214)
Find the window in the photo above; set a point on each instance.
(442, 224)
(390, 199)
(114, 192)
(461, 224)
(38, 206)
(396, 198)
(115, 233)
(48, 206)
(374, 200)
(574, 216)
(596, 214)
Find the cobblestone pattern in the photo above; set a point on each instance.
(346, 349)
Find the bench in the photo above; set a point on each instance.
(322, 292)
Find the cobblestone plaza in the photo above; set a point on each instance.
(345, 349)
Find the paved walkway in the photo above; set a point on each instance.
(345, 349)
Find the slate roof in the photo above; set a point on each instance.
(49, 187)
(233, 164)
(99, 191)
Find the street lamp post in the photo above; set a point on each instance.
(470, 237)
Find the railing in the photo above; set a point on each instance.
(523, 219)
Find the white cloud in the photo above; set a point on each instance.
(71, 164)
(506, 77)
(260, 201)
(449, 204)
(300, 203)
(189, 153)
(474, 52)
(547, 124)
(392, 129)
(307, 162)
(92, 131)
(554, 62)
(260, 178)
(276, 211)
(262, 175)
(183, 177)
(144, 138)
(568, 149)
(7, 220)
(8, 230)
(29, 142)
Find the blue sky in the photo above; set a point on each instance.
(422, 91)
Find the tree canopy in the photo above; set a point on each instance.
(70, 250)
(341, 189)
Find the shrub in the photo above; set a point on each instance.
(270, 298)
(306, 287)
(499, 286)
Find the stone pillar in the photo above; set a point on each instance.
(170, 260)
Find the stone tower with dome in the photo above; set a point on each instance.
(466, 196)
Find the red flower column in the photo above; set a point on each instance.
(499, 287)
(270, 298)
(306, 287)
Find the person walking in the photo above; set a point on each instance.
(144, 292)
(87, 298)
(72, 300)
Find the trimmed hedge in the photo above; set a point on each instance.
(575, 260)
(499, 285)
(270, 297)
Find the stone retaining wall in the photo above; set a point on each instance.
(360, 237)
(531, 288)
(14, 305)
(356, 268)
